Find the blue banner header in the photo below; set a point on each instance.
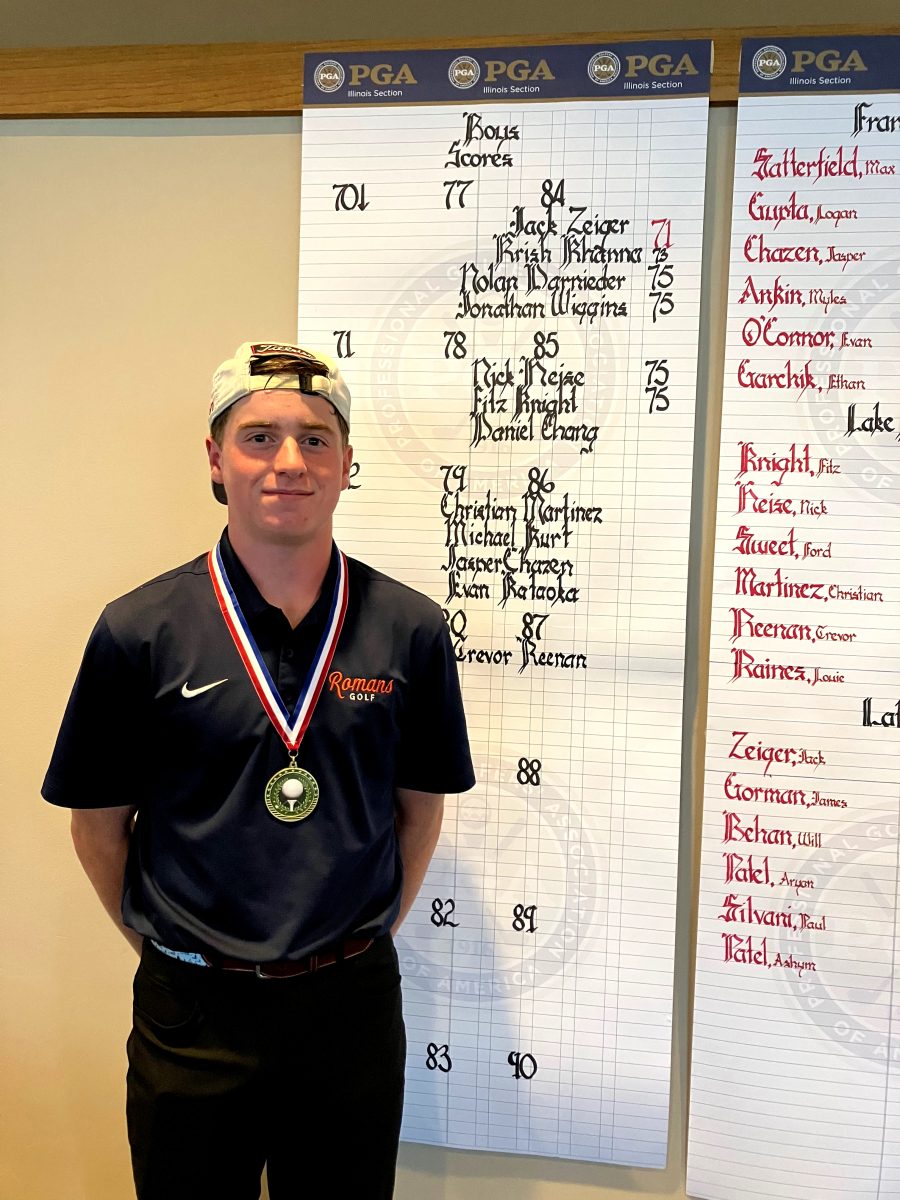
(508, 73)
(771, 66)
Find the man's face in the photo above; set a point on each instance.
(283, 465)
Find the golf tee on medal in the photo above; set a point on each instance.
(292, 794)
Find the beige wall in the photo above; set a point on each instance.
(133, 257)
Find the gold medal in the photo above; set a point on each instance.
(291, 794)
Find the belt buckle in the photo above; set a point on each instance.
(304, 967)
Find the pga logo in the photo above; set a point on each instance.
(769, 62)
(329, 76)
(464, 71)
(604, 67)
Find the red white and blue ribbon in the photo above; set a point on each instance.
(290, 725)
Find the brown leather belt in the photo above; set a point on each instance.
(287, 969)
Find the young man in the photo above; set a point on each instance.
(256, 751)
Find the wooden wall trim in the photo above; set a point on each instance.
(256, 79)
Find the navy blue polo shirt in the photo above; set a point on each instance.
(209, 867)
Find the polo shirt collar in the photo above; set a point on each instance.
(254, 605)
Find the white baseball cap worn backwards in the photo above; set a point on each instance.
(257, 366)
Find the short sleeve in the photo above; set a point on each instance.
(434, 751)
(98, 744)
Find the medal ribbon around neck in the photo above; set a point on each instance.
(291, 726)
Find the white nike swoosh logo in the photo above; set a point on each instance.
(188, 692)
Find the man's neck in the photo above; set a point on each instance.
(288, 576)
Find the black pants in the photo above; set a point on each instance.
(228, 1072)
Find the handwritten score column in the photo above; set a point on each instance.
(503, 248)
(795, 1090)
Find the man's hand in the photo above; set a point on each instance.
(101, 837)
(418, 818)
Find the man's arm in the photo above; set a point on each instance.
(101, 837)
(418, 818)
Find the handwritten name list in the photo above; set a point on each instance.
(503, 248)
(795, 1083)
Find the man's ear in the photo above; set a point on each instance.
(215, 470)
(214, 454)
(347, 464)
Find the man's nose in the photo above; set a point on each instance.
(290, 456)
